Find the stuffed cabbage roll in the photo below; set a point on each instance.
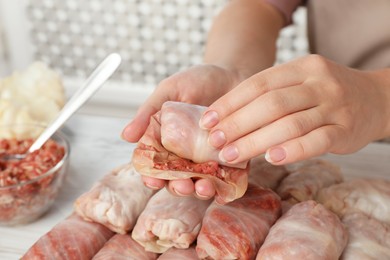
(370, 196)
(307, 231)
(368, 238)
(237, 229)
(116, 200)
(169, 221)
(151, 158)
(123, 247)
(180, 254)
(307, 178)
(181, 134)
(72, 238)
(264, 174)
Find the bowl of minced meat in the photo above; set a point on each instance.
(29, 186)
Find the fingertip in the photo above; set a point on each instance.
(134, 130)
(153, 183)
(209, 119)
(275, 154)
(130, 133)
(217, 138)
(229, 153)
(183, 187)
(127, 133)
(204, 189)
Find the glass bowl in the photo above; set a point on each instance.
(28, 187)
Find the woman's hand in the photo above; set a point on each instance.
(200, 85)
(299, 110)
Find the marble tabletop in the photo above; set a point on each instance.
(96, 148)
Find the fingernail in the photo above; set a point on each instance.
(208, 120)
(200, 196)
(179, 193)
(124, 137)
(123, 134)
(217, 138)
(276, 154)
(228, 153)
(151, 187)
(126, 132)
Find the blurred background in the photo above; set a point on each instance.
(155, 38)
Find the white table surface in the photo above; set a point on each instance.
(97, 148)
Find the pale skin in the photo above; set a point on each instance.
(298, 110)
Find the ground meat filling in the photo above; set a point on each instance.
(33, 165)
(25, 191)
(170, 161)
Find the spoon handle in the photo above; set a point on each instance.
(106, 68)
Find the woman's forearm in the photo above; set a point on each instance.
(243, 37)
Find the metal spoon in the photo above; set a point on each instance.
(105, 69)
